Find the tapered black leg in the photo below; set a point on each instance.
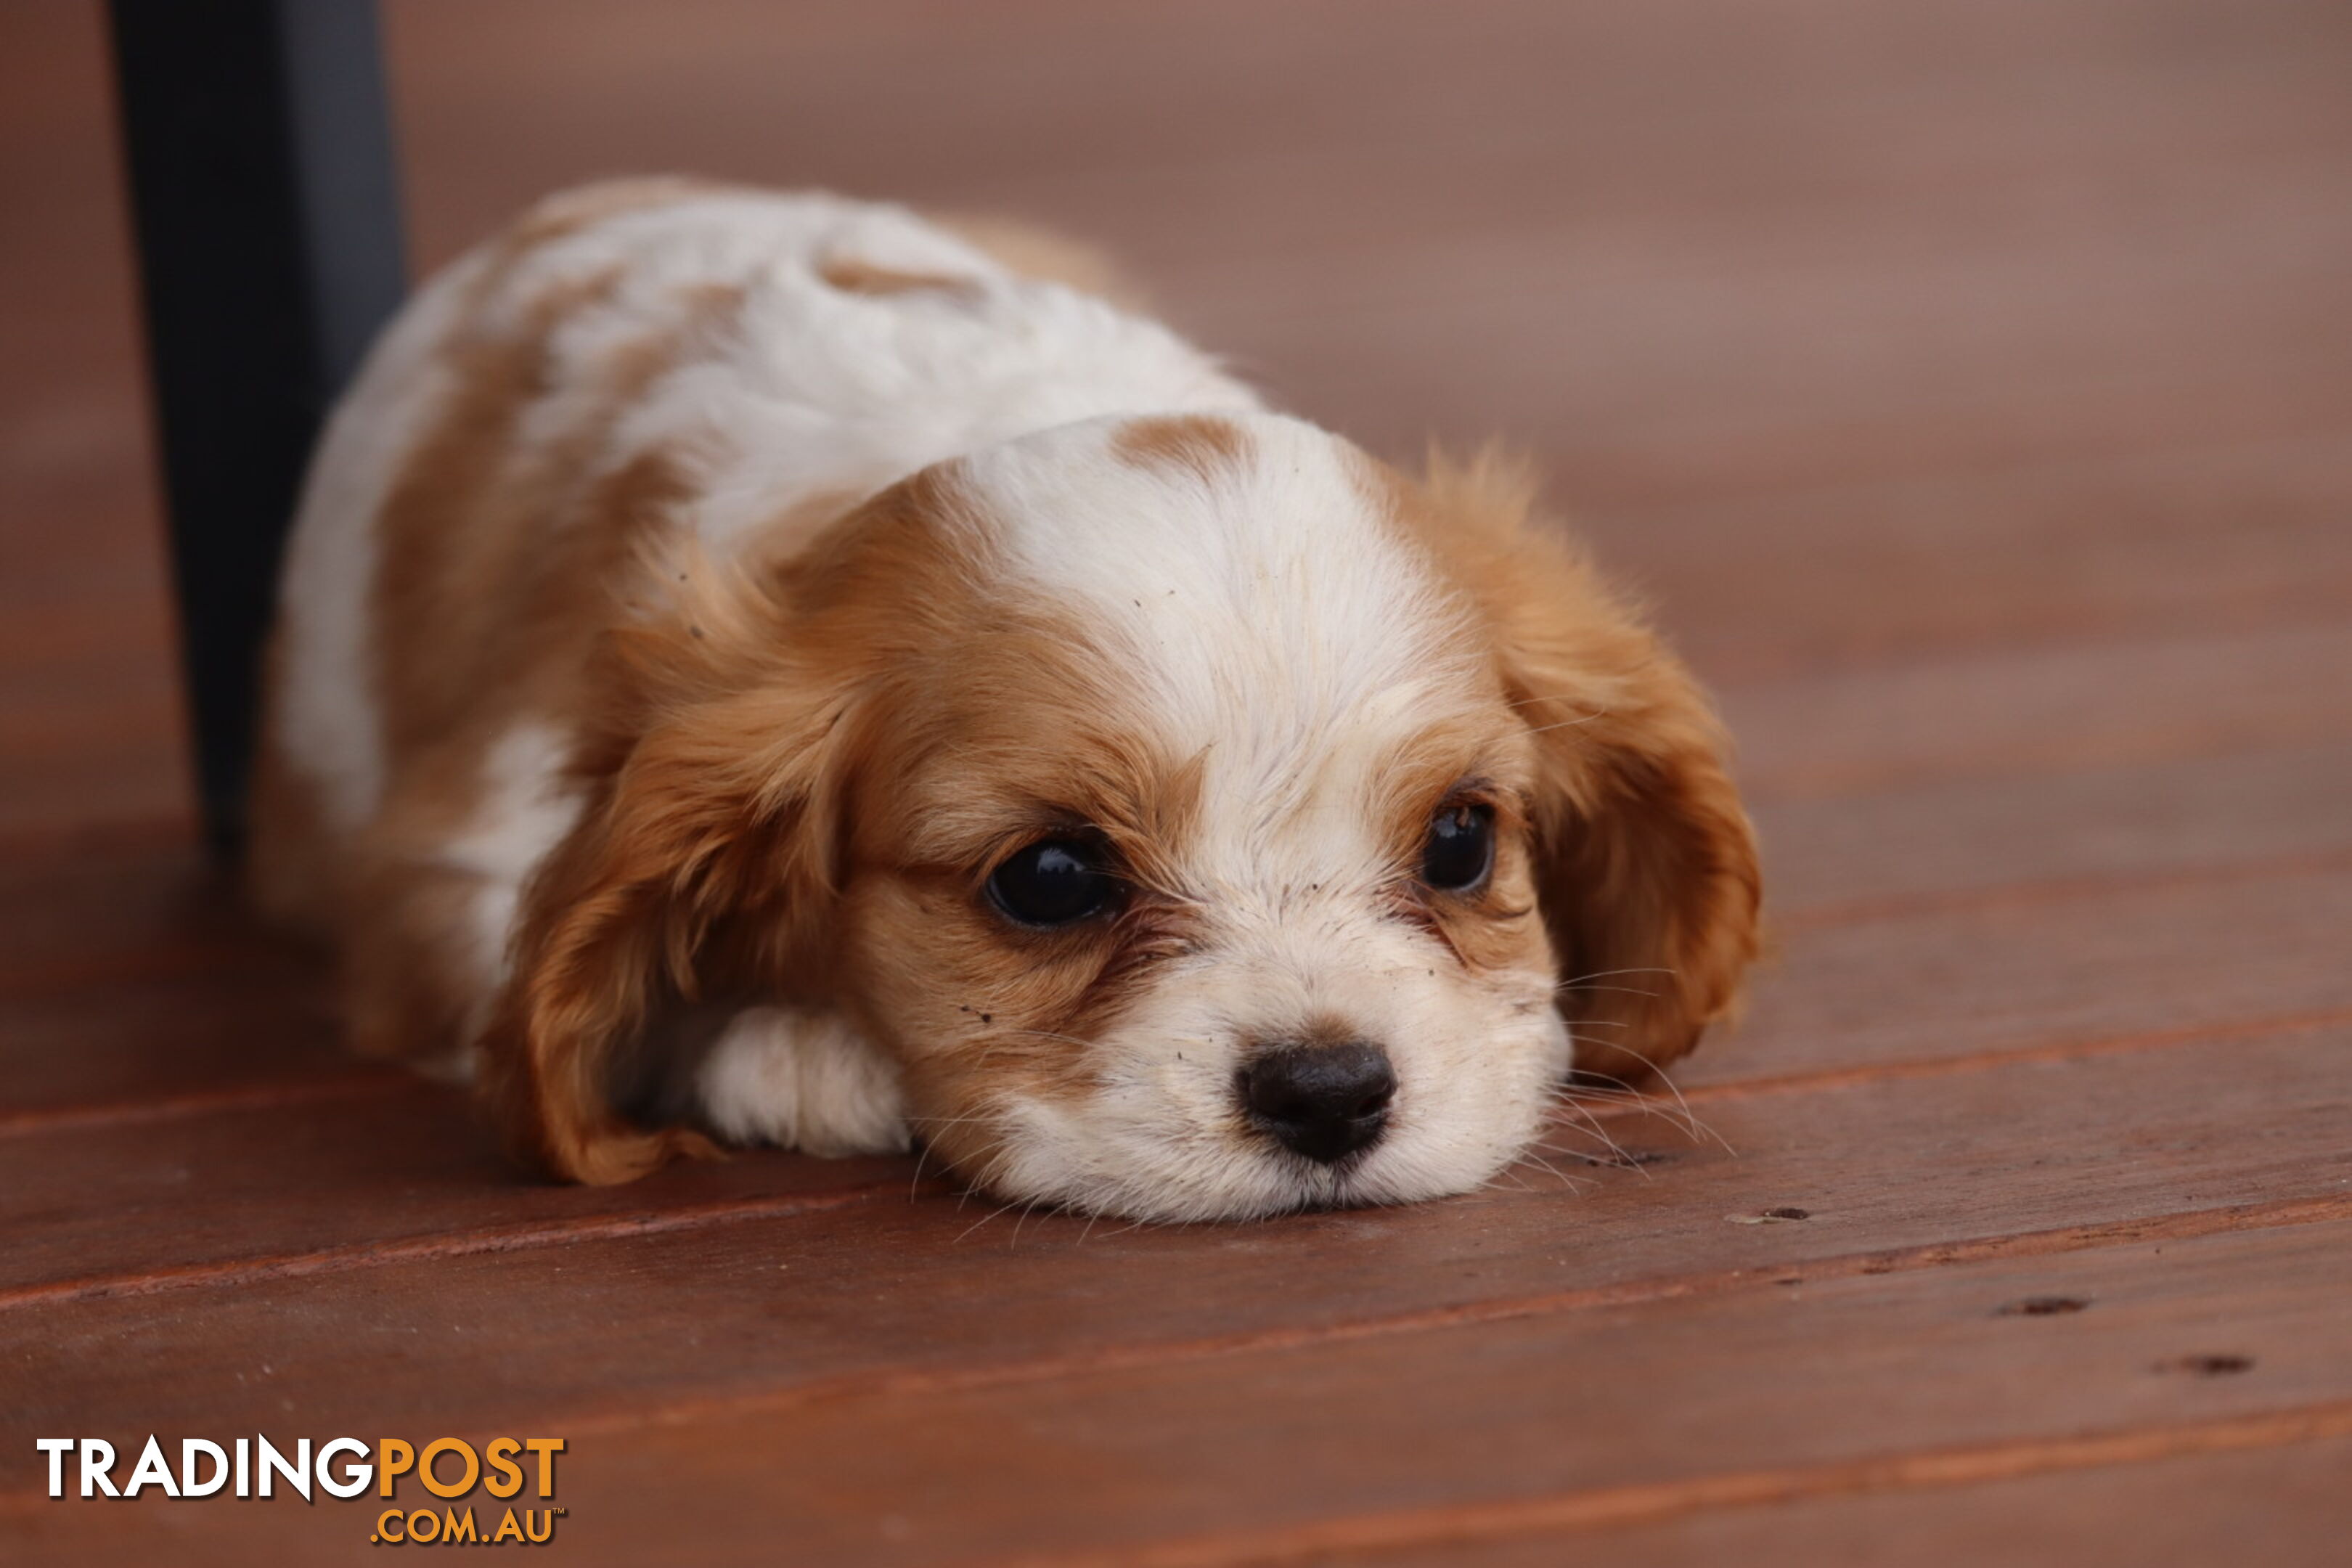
(267, 211)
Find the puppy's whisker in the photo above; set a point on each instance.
(1627, 1094)
(1613, 973)
(982, 1220)
(1600, 1094)
(1616, 1156)
(1688, 1125)
(1689, 1118)
(1586, 1123)
(1617, 1092)
(1536, 1152)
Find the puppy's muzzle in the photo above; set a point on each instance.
(1322, 1101)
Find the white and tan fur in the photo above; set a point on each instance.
(702, 589)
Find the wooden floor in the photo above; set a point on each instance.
(1969, 381)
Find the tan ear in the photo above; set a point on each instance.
(706, 848)
(1645, 860)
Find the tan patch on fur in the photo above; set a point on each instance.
(852, 275)
(478, 626)
(1029, 251)
(1023, 746)
(1641, 856)
(582, 208)
(1200, 447)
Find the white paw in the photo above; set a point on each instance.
(801, 1081)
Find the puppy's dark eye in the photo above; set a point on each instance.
(1460, 849)
(1054, 882)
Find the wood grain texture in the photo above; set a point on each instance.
(2057, 968)
(2063, 1153)
(1486, 1427)
(2050, 555)
(2269, 1503)
(1970, 840)
(1474, 1431)
(1970, 385)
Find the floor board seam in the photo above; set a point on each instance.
(509, 1238)
(1671, 1106)
(455, 1244)
(2185, 1225)
(1461, 1525)
(1832, 914)
(202, 1102)
(924, 1384)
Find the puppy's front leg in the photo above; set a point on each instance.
(801, 1081)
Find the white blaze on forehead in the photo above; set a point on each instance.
(1262, 609)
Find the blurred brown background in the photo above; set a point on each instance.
(1969, 382)
(1851, 330)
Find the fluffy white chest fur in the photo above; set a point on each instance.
(774, 668)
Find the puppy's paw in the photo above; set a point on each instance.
(801, 1081)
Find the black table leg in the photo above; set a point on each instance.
(268, 218)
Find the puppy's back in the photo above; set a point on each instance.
(626, 358)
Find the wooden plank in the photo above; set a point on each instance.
(338, 1173)
(2026, 1160)
(129, 971)
(2055, 971)
(124, 1050)
(1472, 1430)
(1862, 856)
(1695, 270)
(300, 1153)
(1617, 108)
(1762, 587)
(2277, 1505)
(1428, 1437)
(137, 902)
(2041, 711)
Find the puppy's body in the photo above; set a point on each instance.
(704, 596)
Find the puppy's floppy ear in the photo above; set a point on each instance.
(706, 846)
(1645, 863)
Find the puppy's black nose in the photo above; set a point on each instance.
(1323, 1102)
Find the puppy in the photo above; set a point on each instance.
(774, 670)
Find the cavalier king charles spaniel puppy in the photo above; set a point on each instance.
(760, 668)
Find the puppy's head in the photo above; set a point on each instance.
(1208, 821)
